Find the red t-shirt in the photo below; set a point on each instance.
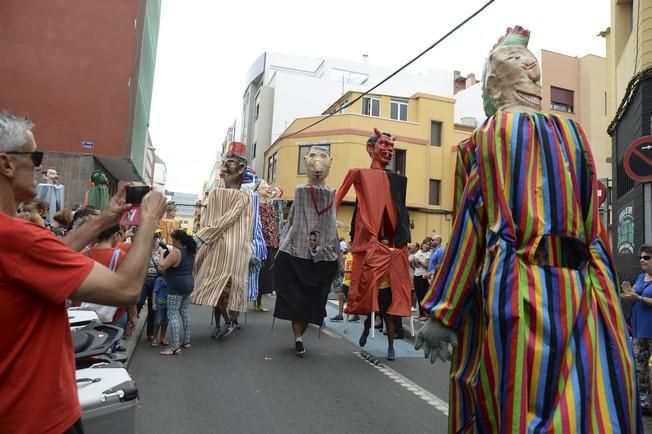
(124, 246)
(103, 255)
(38, 390)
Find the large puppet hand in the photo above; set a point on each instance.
(343, 227)
(434, 337)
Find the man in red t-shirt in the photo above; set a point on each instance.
(38, 272)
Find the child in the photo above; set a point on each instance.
(343, 294)
(160, 308)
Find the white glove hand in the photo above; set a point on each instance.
(435, 337)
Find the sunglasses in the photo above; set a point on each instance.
(645, 257)
(36, 156)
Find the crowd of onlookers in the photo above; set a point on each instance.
(109, 249)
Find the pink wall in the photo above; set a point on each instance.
(67, 65)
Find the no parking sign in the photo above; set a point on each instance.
(638, 159)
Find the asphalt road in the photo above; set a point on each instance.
(252, 382)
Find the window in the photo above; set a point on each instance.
(253, 152)
(433, 192)
(435, 133)
(257, 111)
(561, 100)
(303, 151)
(397, 164)
(398, 109)
(371, 106)
(272, 163)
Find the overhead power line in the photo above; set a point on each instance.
(390, 76)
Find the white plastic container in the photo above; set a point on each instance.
(108, 397)
(79, 318)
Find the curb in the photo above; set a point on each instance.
(131, 342)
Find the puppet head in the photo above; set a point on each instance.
(234, 164)
(171, 209)
(380, 148)
(318, 163)
(50, 176)
(511, 75)
(268, 193)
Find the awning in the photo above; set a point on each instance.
(122, 169)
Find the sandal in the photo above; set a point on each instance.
(165, 343)
(186, 345)
(170, 351)
(154, 344)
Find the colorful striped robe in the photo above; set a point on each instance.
(542, 348)
(258, 247)
(226, 234)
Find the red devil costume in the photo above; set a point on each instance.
(380, 211)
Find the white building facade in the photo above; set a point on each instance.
(282, 88)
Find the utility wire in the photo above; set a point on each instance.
(440, 40)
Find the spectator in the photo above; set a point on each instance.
(420, 262)
(436, 257)
(31, 217)
(412, 249)
(343, 293)
(106, 252)
(177, 268)
(38, 272)
(148, 288)
(641, 322)
(343, 245)
(160, 309)
(61, 222)
(84, 215)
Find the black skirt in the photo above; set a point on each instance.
(302, 288)
(265, 280)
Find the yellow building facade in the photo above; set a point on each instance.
(629, 96)
(424, 152)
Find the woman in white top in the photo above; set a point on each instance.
(420, 264)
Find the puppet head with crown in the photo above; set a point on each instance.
(510, 81)
(234, 164)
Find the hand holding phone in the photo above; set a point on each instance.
(135, 193)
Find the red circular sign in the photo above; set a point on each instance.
(638, 159)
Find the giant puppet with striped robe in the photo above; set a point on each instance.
(226, 234)
(528, 284)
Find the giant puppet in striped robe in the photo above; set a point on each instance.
(528, 284)
(222, 262)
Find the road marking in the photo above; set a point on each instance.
(329, 333)
(409, 385)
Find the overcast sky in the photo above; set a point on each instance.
(206, 47)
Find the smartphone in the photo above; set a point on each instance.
(135, 193)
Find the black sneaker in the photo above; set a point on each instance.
(299, 348)
(227, 330)
(355, 318)
(337, 318)
(390, 353)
